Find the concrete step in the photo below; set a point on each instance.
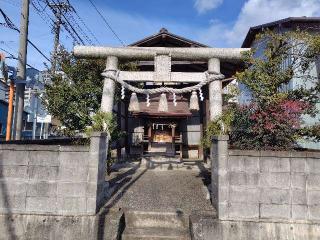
(162, 163)
(170, 163)
(155, 234)
(138, 219)
(113, 225)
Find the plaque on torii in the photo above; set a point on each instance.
(162, 57)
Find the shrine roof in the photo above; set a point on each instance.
(164, 38)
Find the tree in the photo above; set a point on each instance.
(75, 95)
(274, 119)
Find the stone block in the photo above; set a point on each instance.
(296, 154)
(230, 230)
(73, 174)
(41, 204)
(244, 179)
(313, 181)
(223, 194)
(74, 159)
(243, 211)
(253, 153)
(223, 178)
(91, 205)
(314, 212)
(267, 231)
(299, 212)
(306, 231)
(251, 164)
(71, 189)
(44, 158)
(274, 164)
(298, 180)
(92, 174)
(222, 211)
(92, 189)
(275, 211)
(275, 180)
(313, 197)
(74, 148)
(9, 204)
(315, 154)
(247, 164)
(313, 165)
(71, 205)
(274, 196)
(298, 165)
(276, 154)
(14, 172)
(43, 173)
(236, 163)
(222, 162)
(10, 157)
(13, 188)
(243, 195)
(299, 197)
(42, 189)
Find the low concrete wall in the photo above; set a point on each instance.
(207, 228)
(265, 185)
(53, 179)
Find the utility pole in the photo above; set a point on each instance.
(58, 10)
(21, 74)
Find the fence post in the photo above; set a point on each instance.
(97, 171)
(219, 178)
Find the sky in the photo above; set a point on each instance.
(217, 23)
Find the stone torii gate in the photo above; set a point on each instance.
(162, 57)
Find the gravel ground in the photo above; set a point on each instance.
(167, 191)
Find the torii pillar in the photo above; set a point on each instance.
(215, 90)
(109, 85)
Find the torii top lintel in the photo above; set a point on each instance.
(148, 53)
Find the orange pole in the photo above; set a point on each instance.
(10, 111)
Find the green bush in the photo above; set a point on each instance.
(220, 126)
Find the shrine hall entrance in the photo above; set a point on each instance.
(162, 137)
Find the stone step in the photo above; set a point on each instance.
(113, 224)
(155, 234)
(141, 219)
(161, 163)
(169, 163)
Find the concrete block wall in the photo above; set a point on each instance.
(270, 185)
(48, 179)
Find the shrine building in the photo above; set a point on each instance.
(167, 122)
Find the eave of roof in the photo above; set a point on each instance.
(164, 33)
(256, 29)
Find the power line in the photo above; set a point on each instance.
(8, 23)
(106, 22)
(57, 12)
(42, 12)
(15, 58)
(89, 30)
(78, 27)
(13, 3)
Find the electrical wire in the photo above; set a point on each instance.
(106, 22)
(10, 24)
(15, 58)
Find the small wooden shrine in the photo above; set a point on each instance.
(165, 105)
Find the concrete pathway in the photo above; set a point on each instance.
(158, 191)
